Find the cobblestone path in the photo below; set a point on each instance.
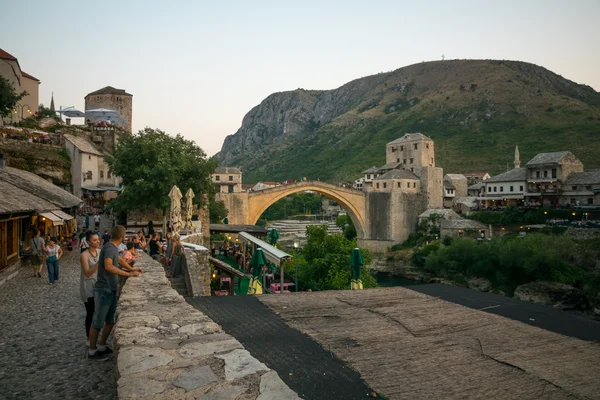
(42, 340)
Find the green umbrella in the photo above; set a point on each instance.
(273, 236)
(226, 221)
(257, 261)
(356, 262)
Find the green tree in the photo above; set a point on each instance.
(8, 97)
(325, 261)
(151, 162)
(344, 222)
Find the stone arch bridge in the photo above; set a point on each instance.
(373, 213)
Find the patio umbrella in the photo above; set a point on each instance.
(356, 262)
(189, 210)
(226, 221)
(256, 263)
(273, 237)
(175, 195)
(71, 112)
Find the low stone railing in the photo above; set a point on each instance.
(197, 271)
(166, 349)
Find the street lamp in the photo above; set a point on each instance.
(296, 244)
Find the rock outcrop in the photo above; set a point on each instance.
(551, 293)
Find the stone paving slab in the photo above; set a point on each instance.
(43, 342)
(166, 349)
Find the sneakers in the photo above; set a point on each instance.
(107, 351)
(98, 356)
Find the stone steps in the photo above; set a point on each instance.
(178, 284)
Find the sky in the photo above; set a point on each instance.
(197, 67)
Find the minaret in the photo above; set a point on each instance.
(517, 157)
(52, 103)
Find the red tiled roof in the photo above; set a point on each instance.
(7, 56)
(26, 75)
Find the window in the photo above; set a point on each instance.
(397, 160)
(404, 161)
(427, 145)
(511, 189)
(385, 185)
(230, 188)
(414, 184)
(495, 188)
(573, 187)
(588, 188)
(545, 174)
(573, 201)
(378, 186)
(412, 170)
(89, 157)
(399, 184)
(230, 178)
(411, 160)
(537, 174)
(401, 148)
(590, 200)
(521, 188)
(502, 188)
(101, 174)
(217, 177)
(554, 173)
(416, 146)
(431, 160)
(109, 174)
(489, 188)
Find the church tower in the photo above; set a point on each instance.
(517, 157)
(52, 103)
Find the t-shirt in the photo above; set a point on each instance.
(105, 238)
(107, 280)
(122, 247)
(96, 218)
(153, 247)
(37, 246)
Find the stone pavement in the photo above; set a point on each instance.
(42, 340)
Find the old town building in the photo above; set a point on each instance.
(110, 99)
(10, 69)
(227, 179)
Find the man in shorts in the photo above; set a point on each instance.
(105, 293)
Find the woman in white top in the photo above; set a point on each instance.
(88, 276)
(53, 254)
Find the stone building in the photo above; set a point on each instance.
(506, 189)
(10, 69)
(90, 176)
(227, 179)
(455, 185)
(582, 189)
(110, 98)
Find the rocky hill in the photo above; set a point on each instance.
(475, 111)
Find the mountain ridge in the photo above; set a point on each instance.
(475, 110)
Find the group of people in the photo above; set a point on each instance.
(47, 251)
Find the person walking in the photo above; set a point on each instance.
(105, 293)
(88, 277)
(37, 253)
(177, 258)
(105, 237)
(53, 255)
(97, 222)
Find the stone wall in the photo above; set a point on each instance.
(236, 205)
(197, 273)
(166, 349)
(120, 103)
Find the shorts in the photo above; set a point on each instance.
(105, 301)
(36, 260)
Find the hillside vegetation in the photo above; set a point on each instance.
(474, 110)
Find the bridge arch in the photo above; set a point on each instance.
(353, 201)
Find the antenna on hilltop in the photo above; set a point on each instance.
(443, 57)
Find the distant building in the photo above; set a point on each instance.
(265, 185)
(227, 179)
(90, 176)
(398, 180)
(463, 228)
(110, 98)
(10, 69)
(367, 177)
(582, 189)
(455, 185)
(476, 177)
(476, 190)
(506, 189)
(546, 175)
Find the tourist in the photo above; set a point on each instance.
(88, 276)
(105, 293)
(177, 258)
(37, 253)
(83, 245)
(97, 222)
(105, 237)
(154, 247)
(128, 255)
(53, 254)
(142, 241)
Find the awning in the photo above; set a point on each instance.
(56, 221)
(272, 253)
(63, 215)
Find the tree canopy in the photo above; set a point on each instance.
(151, 162)
(8, 97)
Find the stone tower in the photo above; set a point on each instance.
(112, 99)
(517, 157)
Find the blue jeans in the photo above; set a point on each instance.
(52, 270)
(105, 305)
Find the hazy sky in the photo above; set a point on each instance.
(197, 67)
